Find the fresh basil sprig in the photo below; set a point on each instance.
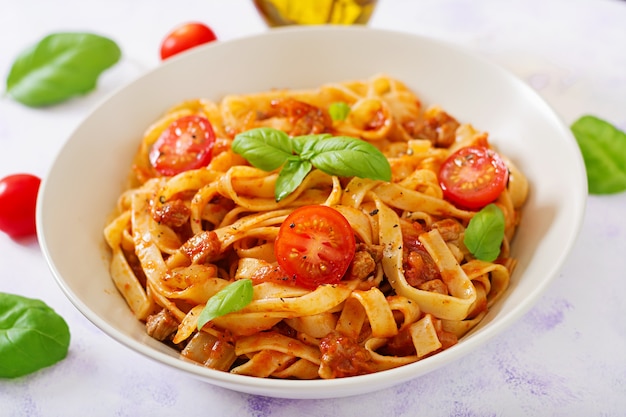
(60, 66)
(339, 111)
(485, 232)
(268, 149)
(265, 148)
(231, 298)
(32, 336)
(603, 148)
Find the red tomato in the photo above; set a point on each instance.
(473, 177)
(185, 37)
(315, 245)
(186, 144)
(18, 200)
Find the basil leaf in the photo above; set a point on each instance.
(291, 176)
(268, 148)
(485, 232)
(233, 297)
(32, 336)
(265, 148)
(350, 157)
(60, 66)
(304, 145)
(603, 148)
(339, 111)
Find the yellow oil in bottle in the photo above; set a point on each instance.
(315, 12)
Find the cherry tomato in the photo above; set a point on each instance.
(473, 177)
(185, 37)
(18, 200)
(186, 144)
(315, 245)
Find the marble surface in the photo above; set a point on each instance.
(565, 357)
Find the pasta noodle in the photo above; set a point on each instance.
(413, 288)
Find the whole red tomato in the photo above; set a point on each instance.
(185, 37)
(18, 200)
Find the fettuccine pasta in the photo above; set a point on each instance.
(412, 289)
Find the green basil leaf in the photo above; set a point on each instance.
(350, 157)
(269, 148)
(291, 176)
(305, 145)
(485, 232)
(603, 148)
(339, 111)
(265, 148)
(32, 336)
(60, 66)
(233, 297)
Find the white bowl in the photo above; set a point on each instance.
(81, 188)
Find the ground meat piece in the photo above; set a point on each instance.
(411, 230)
(204, 246)
(437, 126)
(362, 266)
(172, 213)
(304, 118)
(161, 325)
(434, 285)
(399, 345)
(375, 251)
(419, 267)
(342, 356)
(450, 229)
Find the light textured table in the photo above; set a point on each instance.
(565, 357)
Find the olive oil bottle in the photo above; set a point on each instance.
(315, 12)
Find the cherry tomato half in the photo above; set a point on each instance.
(473, 177)
(18, 200)
(185, 37)
(186, 144)
(315, 245)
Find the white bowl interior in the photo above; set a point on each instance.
(90, 171)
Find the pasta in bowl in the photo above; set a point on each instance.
(320, 237)
(394, 285)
